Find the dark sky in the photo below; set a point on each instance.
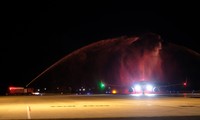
(37, 34)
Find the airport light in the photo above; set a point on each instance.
(185, 84)
(101, 85)
(114, 91)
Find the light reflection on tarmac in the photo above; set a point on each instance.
(96, 106)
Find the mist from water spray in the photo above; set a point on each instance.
(119, 61)
(142, 61)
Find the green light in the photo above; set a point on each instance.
(101, 85)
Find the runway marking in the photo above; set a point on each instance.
(187, 106)
(28, 109)
(83, 106)
(96, 105)
(64, 106)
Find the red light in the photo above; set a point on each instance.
(184, 83)
(10, 88)
(15, 88)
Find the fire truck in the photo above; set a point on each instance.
(19, 91)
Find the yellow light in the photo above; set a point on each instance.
(114, 91)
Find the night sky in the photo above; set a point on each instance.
(37, 34)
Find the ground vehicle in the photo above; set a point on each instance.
(19, 91)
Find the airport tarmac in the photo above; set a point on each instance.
(97, 107)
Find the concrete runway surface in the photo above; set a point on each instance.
(100, 107)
